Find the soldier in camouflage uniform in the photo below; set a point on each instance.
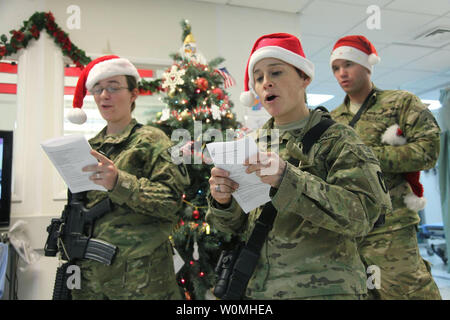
(144, 186)
(392, 247)
(323, 204)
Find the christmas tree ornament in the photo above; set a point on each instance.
(215, 111)
(165, 115)
(196, 214)
(185, 114)
(219, 93)
(195, 254)
(202, 84)
(189, 49)
(173, 78)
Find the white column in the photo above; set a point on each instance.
(39, 117)
(36, 184)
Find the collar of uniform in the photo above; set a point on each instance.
(265, 131)
(313, 118)
(102, 138)
(346, 102)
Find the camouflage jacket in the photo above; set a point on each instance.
(323, 205)
(386, 108)
(147, 195)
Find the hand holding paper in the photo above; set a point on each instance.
(69, 154)
(230, 156)
(105, 173)
(268, 166)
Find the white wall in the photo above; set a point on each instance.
(137, 29)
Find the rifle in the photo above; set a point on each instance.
(71, 235)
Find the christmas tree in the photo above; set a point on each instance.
(196, 104)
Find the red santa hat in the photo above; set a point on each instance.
(98, 69)
(282, 46)
(357, 49)
(414, 200)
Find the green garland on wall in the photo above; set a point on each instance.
(32, 28)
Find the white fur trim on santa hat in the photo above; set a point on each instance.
(284, 55)
(76, 115)
(110, 68)
(414, 203)
(390, 136)
(353, 54)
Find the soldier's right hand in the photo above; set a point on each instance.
(221, 186)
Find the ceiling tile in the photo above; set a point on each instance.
(427, 83)
(397, 55)
(321, 18)
(419, 6)
(399, 77)
(312, 44)
(436, 61)
(213, 1)
(365, 3)
(292, 6)
(395, 26)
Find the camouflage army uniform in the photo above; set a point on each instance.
(145, 201)
(393, 247)
(322, 204)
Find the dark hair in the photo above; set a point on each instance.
(132, 84)
(304, 77)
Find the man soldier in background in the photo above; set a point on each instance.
(405, 138)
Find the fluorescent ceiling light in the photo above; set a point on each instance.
(432, 104)
(315, 99)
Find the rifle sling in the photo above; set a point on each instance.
(381, 220)
(363, 107)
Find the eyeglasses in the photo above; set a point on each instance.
(113, 89)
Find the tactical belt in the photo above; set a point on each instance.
(249, 255)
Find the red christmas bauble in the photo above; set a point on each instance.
(219, 93)
(202, 84)
(196, 214)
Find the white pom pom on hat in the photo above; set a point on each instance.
(282, 46)
(247, 98)
(355, 48)
(373, 59)
(77, 116)
(98, 69)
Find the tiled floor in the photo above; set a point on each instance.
(439, 271)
